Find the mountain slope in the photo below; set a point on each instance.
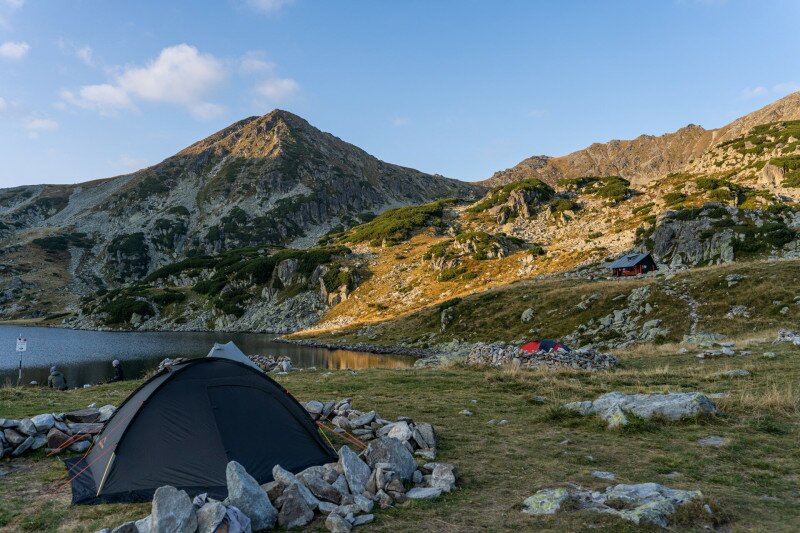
(647, 157)
(269, 180)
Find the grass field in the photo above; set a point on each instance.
(752, 482)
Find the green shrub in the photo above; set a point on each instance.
(499, 195)
(163, 299)
(674, 198)
(122, 309)
(60, 243)
(398, 224)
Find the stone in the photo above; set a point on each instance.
(601, 474)
(326, 507)
(363, 519)
(340, 484)
(427, 454)
(22, 448)
(245, 493)
(444, 476)
(362, 420)
(423, 493)
(713, 440)
(527, 315)
(43, 423)
(82, 416)
(209, 516)
(321, 488)
(295, 511)
(364, 504)
(80, 446)
(127, 527)
(545, 501)
(106, 412)
(400, 431)
(287, 479)
(737, 373)
(173, 512)
(652, 503)
(383, 499)
(614, 406)
(6, 423)
(337, 524)
(314, 407)
(391, 451)
(417, 477)
(38, 441)
(27, 427)
(56, 438)
(465, 412)
(143, 525)
(354, 469)
(273, 489)
(13, 437)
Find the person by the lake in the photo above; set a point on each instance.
(118, 374)
(56, 379)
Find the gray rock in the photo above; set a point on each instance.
(210, 516)
(423, 493)
(22, 448)
(6, 423)
(336, 524)
(321, 488)
(614, 406)
(417, 477)
(13, 437)
(106, 412)
(527, 315)
(545, 501)
(287, 479)
(173, 512)
(327, 507)
(38, 442)
(354, 469)
(127, 527)
(143, 525)
(363, 519)
(400, 431)
(27, 427)
(465, 412)
(737, 373)
(80, 446)
(340, 484)
(391, 451)
(363, 503)
(713, 440)
(362, 420)
(245, 493)
(43, 423)
(295, 511)
(314, 407)
(601, 474)
(444, 476)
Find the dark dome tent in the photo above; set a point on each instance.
(185, 424)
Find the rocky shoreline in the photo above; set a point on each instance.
(419, 353)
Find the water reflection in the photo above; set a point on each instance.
(85, 356)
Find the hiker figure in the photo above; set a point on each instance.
(56, 379)
(118, 375)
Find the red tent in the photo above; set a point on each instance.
(543, 345)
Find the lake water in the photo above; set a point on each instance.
(85, 356)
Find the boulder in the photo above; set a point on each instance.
(38, 441)
(315, 408)
(614, 406)
(143, 525)
(295, 511)
(13, 437)
(106, 412)
(427, 433)
(336, 524)
(321, 488)
(400, 431)
(27, 427)
(423, 493)
(80, 446)
(393, 452)
(210, 516)
(56, 438)
(363, 519)
(6, 423)
(83, 415)
(545, 501)
(354, 469)
(444, 476)
(22, 448)
(245, 493)
(527, 315)
(287, 479)
(127, 527)
(362, 420)
(43, 423)
(173, 512)
(713, 440)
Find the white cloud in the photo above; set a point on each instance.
(84, 53)
(786, 87)
(179, 75)
(11, 50)
(35, 125)
(278, 88)
(269, 6)
(399, 122)
(14, 4)
(105, 98)
(253, 62)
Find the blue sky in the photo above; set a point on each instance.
(91, 89)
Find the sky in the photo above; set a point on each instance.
(463, 88)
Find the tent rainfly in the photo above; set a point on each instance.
(184, 425)
(545, 345)
(230, 351)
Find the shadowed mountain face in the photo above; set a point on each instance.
(270, 180)
(647, 157)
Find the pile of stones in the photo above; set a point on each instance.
(268, 363)
(643, 503)
(418, 438)
(55, 431)
(616, 407)
(501, 354)
(343, 493)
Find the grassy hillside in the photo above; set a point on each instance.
(750, 483)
